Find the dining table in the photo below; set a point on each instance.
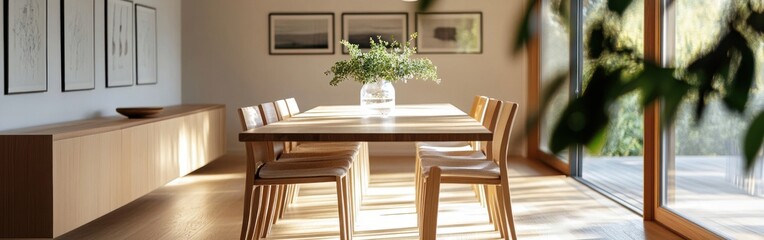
(350, 123)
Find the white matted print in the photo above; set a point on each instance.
(301, 33)
(26, 50)
(449, 32)
(358, 28)
(146, 44)
(78, 41)
(120, 43)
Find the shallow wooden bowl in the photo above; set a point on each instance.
(139, 112)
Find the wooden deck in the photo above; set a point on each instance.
(709, 190)
(207, 205)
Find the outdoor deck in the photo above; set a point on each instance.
(710, 190)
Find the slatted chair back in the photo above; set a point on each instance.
(292, 106)
(250, 118)
(268, 111)
(282, 110)
(502, 134)
(479, 108)
(489, 122)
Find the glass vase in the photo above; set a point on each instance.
(378, 98)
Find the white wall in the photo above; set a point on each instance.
(225, 59)
(23, 110)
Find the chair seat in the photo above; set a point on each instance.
(462, 168)
(328, 168)
(455, 155)
(444, 146)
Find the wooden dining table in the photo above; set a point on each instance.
(407, 123)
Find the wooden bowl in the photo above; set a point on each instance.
(139, 112)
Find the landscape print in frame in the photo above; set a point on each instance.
(301, 33)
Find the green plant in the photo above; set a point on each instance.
(385, 60)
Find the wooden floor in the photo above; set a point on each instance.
(207, 205)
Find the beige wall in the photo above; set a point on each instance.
(225, 60)
(24, 110)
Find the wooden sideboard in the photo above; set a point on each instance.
(58, 177)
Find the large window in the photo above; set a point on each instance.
(705, 181)
(617, 169)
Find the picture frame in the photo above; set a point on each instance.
(145, 44)
(449, 32)
(357, 28)
(25, 23)
(120, 43)
(301, 33)
(77, 45)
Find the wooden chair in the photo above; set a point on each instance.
(464, 152)
(361, 166)
(492, 171)
(266, 176)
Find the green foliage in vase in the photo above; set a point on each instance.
(385, 60)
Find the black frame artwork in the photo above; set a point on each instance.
(146, 54)
(401, 35)
(12, 56)
(80, 38)
(448, 36)
(120, 55)
(297, 39)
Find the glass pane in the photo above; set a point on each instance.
(555, 60)
(618, 168)
(705, 181)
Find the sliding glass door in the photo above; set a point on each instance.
(704, 181)
(617, 170)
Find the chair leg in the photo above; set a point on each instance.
(283, 201)
(499, 211)
(431, 204)
(507, 202)
(270, 211)
(341, 210)
(251, 216)
(247, 206)
(263, 212)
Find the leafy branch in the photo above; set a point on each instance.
(385, 60)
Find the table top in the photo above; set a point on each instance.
(420, 122)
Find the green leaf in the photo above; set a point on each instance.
(754, 138)
(739, 88)
(756, 21)
(618, 6)
(524, 33)
(424, 4)
(597, 40)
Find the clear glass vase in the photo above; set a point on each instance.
(378, 98)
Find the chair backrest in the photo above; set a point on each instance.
(502, 133)
(292, 106)
(489, 122)
(282, 110)
(257, 153)
(268, 111)
(480, 104)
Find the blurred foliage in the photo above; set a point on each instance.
(615, 73)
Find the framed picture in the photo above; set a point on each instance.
(120, 43)
(301, 33)
(358, 28)
(146, 44)
(25, 24)
(449, 32)
(78, 45)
